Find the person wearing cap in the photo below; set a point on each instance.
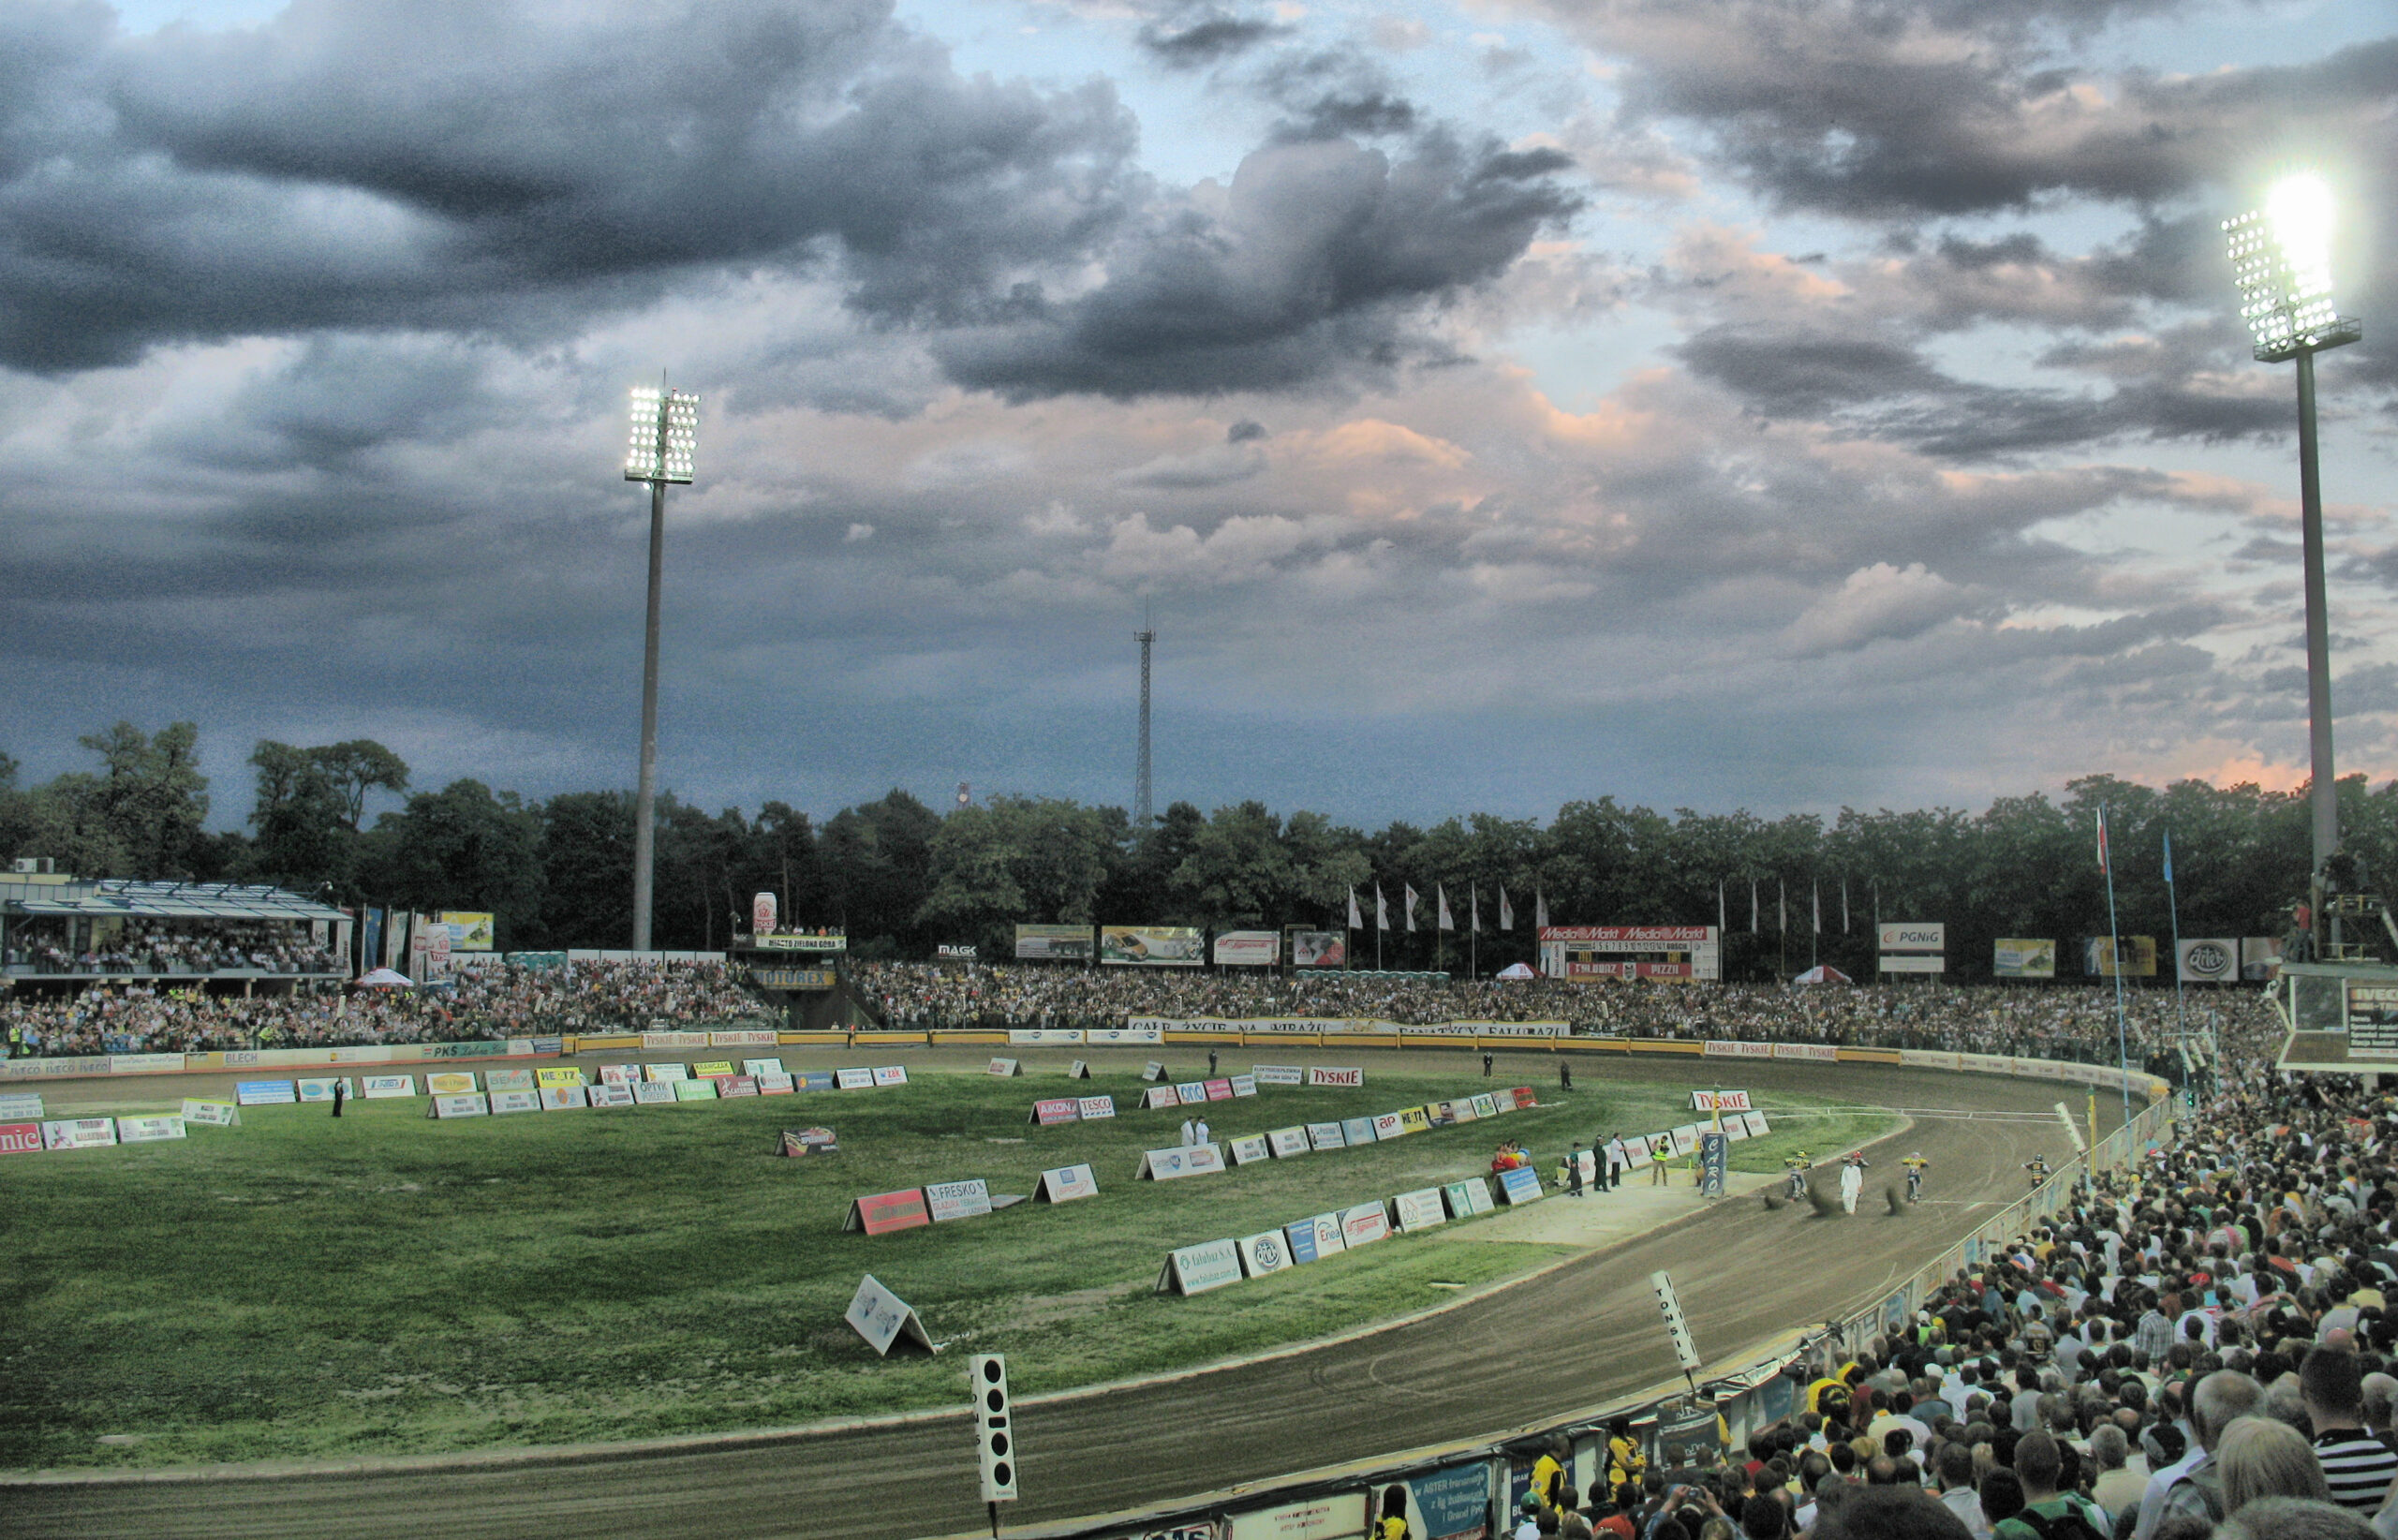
(1528, 1518)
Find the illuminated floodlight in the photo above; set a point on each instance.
(2281, 256)
(665, 435)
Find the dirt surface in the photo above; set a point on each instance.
(1553, 1345)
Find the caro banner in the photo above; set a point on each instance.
(1248, 948)
(2023, 957)
(1319, 949)
(1152, 946)
(1053, 944)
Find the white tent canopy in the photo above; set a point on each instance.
(387, 978)
(1822, 973)
(1518, 972)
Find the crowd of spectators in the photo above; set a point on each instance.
(2202, 1345)
(137, 947)
(492, 1002)
(2043, 1021)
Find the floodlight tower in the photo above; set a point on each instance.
(665, 432)
(2282, 257)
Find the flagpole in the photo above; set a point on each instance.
(2115, 953)
(1473, 937)
(2173, 907)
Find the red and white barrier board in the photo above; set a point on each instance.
(79, 1134)
(736, 1085)
(1096, 1106)
(620, 1074)
(1318, 1075)
(1065, 1184)
(1062, 1109)
(1160, 1096)
(20, 1138)
(1218, 1091)
(1364, 1224)
(382, 1087)
(890, 1075)
(1165, 1165)
(880, 1213)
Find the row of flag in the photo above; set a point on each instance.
(1540, 904)
(1446, 920)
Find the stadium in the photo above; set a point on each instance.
(1198, 770)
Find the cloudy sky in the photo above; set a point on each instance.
(1777, 402)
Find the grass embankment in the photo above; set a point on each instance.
(302, 1287)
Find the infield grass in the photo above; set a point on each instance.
(307, 1288)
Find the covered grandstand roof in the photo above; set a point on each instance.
(123, 897)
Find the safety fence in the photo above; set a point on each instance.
(1466, 1488)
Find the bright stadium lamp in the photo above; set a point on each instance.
(2281, 256)
(665, 435)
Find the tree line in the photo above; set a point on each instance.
(902, 878)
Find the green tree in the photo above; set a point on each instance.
(586, 855)
(460, 847)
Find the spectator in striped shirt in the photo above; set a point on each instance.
(2357, 1466)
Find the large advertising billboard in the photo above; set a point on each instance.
(2023, 957)
(2208, 960)
(1587, 953)
(1249, 948)
(2098, 956)
(1053, 944)
(1319, 949)
(1152, 946)
(468, 931)
(1913, 936)
(2260, 957)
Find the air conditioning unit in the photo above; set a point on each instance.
(33, 865)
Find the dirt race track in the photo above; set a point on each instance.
(1554, 1345)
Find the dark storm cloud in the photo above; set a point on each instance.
(471, 168)
(1892, 392)
(1865, 108)
(1197, 37)
(1323, 254)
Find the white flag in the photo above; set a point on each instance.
(1540, 909)
(1356, 920)
(1381, 909)
(1440, 896)
(1507, 909)
(1720, 925)
(1476, 905)
(1819, 908)
(1753, 906)
(1408, 888)
(1844, 905)
(1782, 907)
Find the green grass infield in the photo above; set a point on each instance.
(302, 1288)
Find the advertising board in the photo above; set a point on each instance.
(854, 1079)
(2260, 958)
(1096, 1106)
(1248, 1148)
(947, 1201)
(792, 978)
(1719, 1100)
(469, 930)
(264, 1094)
(1319, 949)
(1419, 1210)
(2023, 957)
(1913, 936)
(457, 1104)
(1287, 1143)
(1467, 1198)
(1195, 1269)
(20, 1138)
(1066, 1183)
(137, 1131)
(1166, 1165)
(1278, 1074)
(2098, 956)
(883, 1318)
(1326, 1136)
(2205, 960)
(1320, 1075)
(1248, 948)
(1363, 1224)
(1063, 1109)
(1664, 953)
(1152, 946)
(382, 1087)
(1053, 944)
(519, 1101)
(880, 1213)
(617, 1095)
(79, 1133)
(825, 944)
(1912, 962)
(1335, 1518)
(219, 1114)
(1268, 1251)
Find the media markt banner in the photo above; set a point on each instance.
(1152, 946)
(1053, 944)
(2022, 957)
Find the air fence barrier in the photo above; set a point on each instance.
(1760, 1393)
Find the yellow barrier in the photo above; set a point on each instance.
(892, 1040)
(943, 1040)
(1643, 1045)
(811, 1037)
(1868, 1056)
(600, 1044)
